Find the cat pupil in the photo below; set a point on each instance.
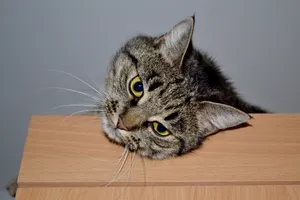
(138, 86)
(161, 128)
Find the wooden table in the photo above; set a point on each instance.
(73, 160)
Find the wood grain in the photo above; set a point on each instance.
(72, 159)
(75, 153)
(270, 192)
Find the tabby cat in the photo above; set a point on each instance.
(163, 97)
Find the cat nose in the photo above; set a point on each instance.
(121, 125)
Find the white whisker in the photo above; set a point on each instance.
(69, 74)
(121, 157)
(81, 111)
(119, 169)
(145, 175)
(129, 175)
(76, 91)
(95, 83)
(74, 105)
(124, 174)
(145, 170)
(91, 121)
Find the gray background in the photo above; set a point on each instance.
(255, 41)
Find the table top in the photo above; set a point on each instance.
(71, 156)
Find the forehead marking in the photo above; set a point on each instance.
(131, 56)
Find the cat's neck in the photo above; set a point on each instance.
(210, 83)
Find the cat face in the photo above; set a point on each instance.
(150, 103)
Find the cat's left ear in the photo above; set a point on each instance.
(174, 44)
(213, 117)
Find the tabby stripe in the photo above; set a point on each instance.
(132, 57)
(173, 106)
(187, 100)
(182, 146)
(155, 85)
(179, 80)
(114, 64)
(152, 75)
(162, 91)
(171, 116)
(160, 145)
(124, 77)
(176, 81)
(114, 70)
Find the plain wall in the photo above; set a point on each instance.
(256, 43)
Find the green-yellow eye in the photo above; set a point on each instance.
(160, 129)
(136, 87)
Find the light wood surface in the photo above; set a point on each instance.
(270, 192)
(73, 157)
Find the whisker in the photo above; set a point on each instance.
(97, 86)
(124, 174)
(118, 169)
(145, 170)
(145, 174)
(93, 80)
(79, 79)
(81, 111)
(121, 157)
(76, 91)
(129, 175)
(94, 118)
(90, 122)
(106, 160)
(74, 105)
(92, 100)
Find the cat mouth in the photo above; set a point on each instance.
(121, 136)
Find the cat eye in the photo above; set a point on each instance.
(136, 87)
(160, 129)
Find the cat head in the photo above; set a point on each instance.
(150, 102)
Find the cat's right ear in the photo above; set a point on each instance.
(173, 44)
(213, 117)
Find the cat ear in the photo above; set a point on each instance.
(215, 116)
(174, 44)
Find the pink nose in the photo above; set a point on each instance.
(121, 125)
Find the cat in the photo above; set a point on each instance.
(163, 96)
